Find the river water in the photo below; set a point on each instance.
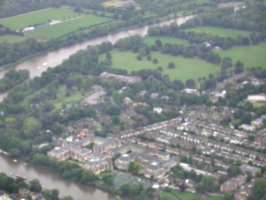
(51, 181)
(36, 67)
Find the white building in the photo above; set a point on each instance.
(256, 98)
(158, 110)
(247, 127)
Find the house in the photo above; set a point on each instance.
(190, 91)
(127, 101)
(247, 127)
(157, 110)
(154, 95)
(121, 78)
(244, 191)
(256, 98)
(4, 197)
(166, 98)
(247, 168)
(233, 183)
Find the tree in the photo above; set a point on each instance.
(31, 127)
(88, 177)
(239, 67)
(259, 190)
(134, 167)
(35, 185)
(190, 83)
(3, 180)
(200, 188)
(134, 189)
(209, 183)
(171, 65)
(228, 196)
(54, 194)
(68, 198)
(14, 152)
(155, 60)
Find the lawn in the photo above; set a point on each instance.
(253, 55)
(37, 17)
(185, 68)
(151, 40)
(222, 32)
(167, 195)
(112, 3)
(75, 96)
(63, 28)
(190, 196)
(11, 38)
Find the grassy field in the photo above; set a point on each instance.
(11, 38)
(63, 28)
(37, 17)
(223, 32)
(185, 68)
(183, 196)
(167, 195)
(190, 196)
(151, 40)
(72, 100)
(113, 3)
(249, 55)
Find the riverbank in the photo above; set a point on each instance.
(32, 56)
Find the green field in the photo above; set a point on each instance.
(190, 196)
(184, 196)
(11, 38)
(249, 55)
(37, 17)
(185, 68)
(222, 32)
(168, 196)
(151, 40)
(63, 28)
(112, 3)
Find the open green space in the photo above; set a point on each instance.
(185, 68)
(37, 17)
(151, 40)
(63, 28)
(120, 180)
(11, 38)
(222, 32)
(167, 195)
(75, 97)
(113, 3)
(190, 196)
(253, 55)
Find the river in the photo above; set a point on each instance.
(52, 181)
(53, 58)
(36, 67)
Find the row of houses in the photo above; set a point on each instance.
(154, 127)
(212, 146)
(121, 78)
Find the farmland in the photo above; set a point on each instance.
(185, 68)
(11, 38)
(151, 40)
(253, 55)
(222, 32)
(37, 17)
(63, 28)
